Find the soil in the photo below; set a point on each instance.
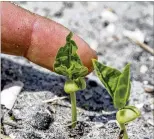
(33, 119)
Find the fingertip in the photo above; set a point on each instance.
(85, 52)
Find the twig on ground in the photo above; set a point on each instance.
(143, 45)
(70, 124)
(54, 99)
(11, 124)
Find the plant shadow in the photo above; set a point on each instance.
(93, 98)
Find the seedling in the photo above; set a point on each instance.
(118, 86)
(68, 63)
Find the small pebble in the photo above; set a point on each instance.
(68, 4)
(143, 69)
(135, 35)
(100, 119)
(87, 95)
(150, 122)
(111, 29)
(12, 90)
(152, 106)
(145, 82)
(100, 125)
(149, 88)
(108, 112)
(31, 135)
(58, 14)
(147, 108)
(112, 124)
(109, 16)
(151, 58)
(140, 105)
(145, 125)
(147, 40)
(12, 136)
(41, 121)
(106, 23)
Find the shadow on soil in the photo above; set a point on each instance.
(94, 98)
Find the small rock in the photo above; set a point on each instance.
(145, 82)
(12, 136)
(100, 119)
(151, 58)
(31, 135)
(106, 23)
(10, 93)
(143, 69)
(146, 40)
(68, 4)
(111, 29)
(152, 106)
(41, 120)
(109, 16)
(108, 112)
(150, 122)
(136, 35)
(107, 96)
(112, 124)
(88, 95)
(147, 108)
(100, 125)
(140, 105)
(58, 14)
(149, 88)
(145, 125)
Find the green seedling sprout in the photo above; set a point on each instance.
(118, 86)
(68, 63)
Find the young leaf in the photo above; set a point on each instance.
(74, 85)
(127, 114)
(122, 91)
(70, 86)
(67, 61)
(81, 83)
(108, 76)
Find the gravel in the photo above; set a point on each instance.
(96, 114)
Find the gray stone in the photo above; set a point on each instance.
(41, 121)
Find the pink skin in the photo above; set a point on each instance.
(37, 38)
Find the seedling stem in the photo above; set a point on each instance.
(74, 112)
(68, 63)
(123, 128)
(118, 85)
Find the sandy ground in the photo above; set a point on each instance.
(96, 114)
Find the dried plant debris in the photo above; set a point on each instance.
(10, 93)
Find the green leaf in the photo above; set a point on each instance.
(129, 90)
(76, 85)
(122, 91)
(108, 76)
(117, 84)
(80, 83)
(127, 114)
(67, 61)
